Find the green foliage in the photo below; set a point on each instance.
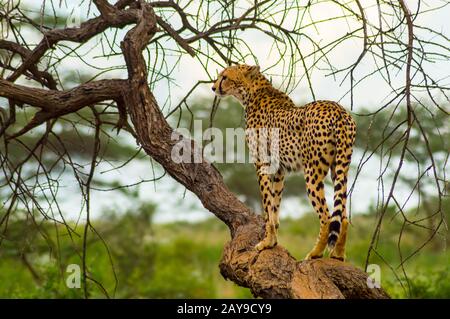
(431, 285)
(180, 260)
(150, 261)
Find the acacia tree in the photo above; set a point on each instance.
(147, 35)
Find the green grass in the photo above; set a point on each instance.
(180, 260)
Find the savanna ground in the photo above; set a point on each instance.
(179, 260)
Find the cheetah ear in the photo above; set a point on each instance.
(253, 70)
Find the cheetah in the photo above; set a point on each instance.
(316, 138)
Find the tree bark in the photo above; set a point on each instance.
(272, 273)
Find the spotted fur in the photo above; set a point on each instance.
(317, 138)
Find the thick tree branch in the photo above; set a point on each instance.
(64, 102)
(86, 31)
(54, 104)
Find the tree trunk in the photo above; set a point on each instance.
(274, 273)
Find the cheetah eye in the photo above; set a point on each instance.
(224, 77)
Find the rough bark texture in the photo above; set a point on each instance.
(272, 273)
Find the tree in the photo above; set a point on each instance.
(211, 32)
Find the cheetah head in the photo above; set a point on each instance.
(235, 80)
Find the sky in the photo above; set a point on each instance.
(174, 202)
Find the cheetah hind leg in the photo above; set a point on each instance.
(338, 251)
(270, 238)
(316, 194)
(321, 243)
(317, 251)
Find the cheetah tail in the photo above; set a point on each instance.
(335, 229)
(340, 194)
(344, 142)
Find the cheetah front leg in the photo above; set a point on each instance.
(278, 186)
(270, 213)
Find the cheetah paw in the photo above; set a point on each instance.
(266, 243)
(311, 256)
(337, 256)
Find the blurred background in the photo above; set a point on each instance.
(148, 237)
